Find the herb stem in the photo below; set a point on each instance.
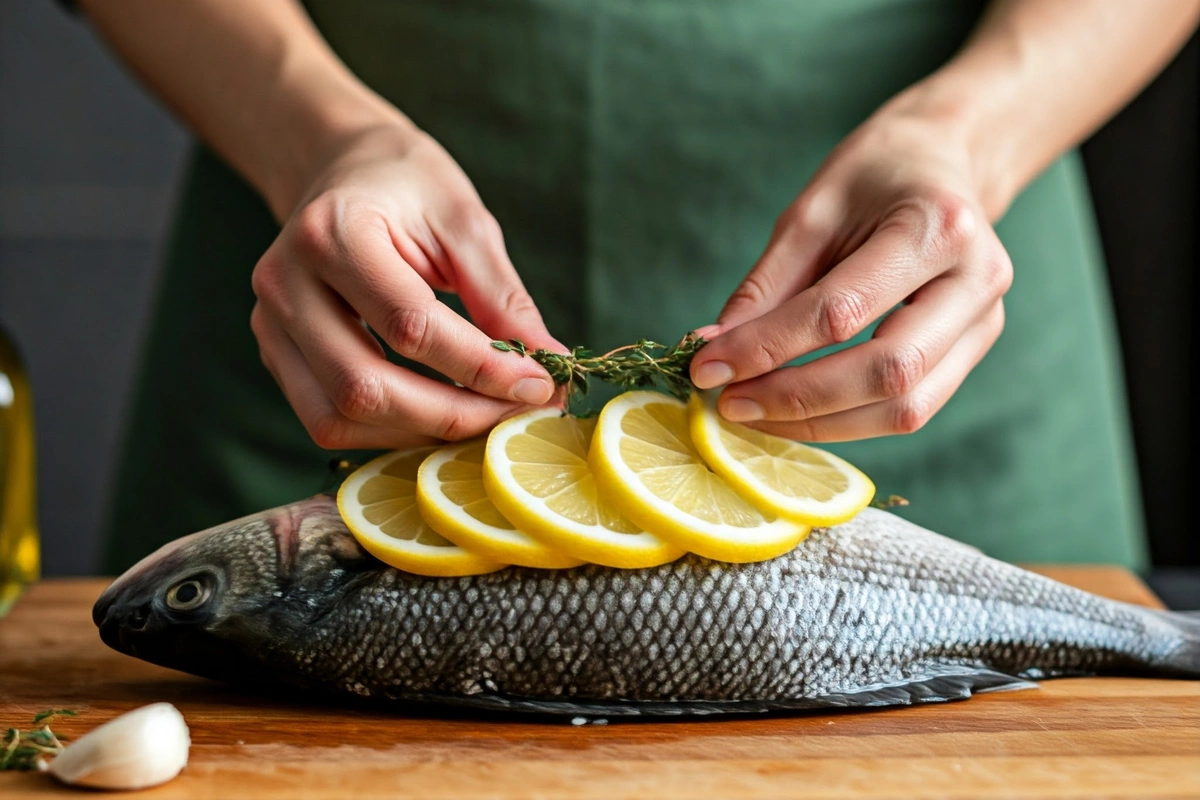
(644, 364)
(27, 749)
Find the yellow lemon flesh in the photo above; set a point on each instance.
(536, 471)
(643, 459)
(778, 475)
(452, 499)
(378, 503)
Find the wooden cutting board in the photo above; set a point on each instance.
(1083, 737)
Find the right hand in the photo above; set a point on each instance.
(387, 221)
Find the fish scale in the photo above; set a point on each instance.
(716, 661)
(876, 611)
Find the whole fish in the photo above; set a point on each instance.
(874, 612)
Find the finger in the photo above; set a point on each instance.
(902, 255)
(328, 427)
(402, 309)
(906, 347)
(792, 261)
(488, 283)
(362, 386)
(907, 413)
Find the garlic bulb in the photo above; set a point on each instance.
(143, 748)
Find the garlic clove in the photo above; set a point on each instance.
(143, 748)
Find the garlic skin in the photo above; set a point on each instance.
(143, 748)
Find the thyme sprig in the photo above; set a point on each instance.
(642, 365)
(891, 501)
(22, 750)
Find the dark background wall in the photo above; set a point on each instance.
(87, 169)
(1146, 185)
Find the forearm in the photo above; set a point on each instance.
(255, 80)
(1038, 76)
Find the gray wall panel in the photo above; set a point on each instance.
(88, 165)
(68, 112)
(78, 310)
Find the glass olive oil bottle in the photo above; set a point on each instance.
(20, 556)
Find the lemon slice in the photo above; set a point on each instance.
(536, 472)
(643, 459)
(378, 503)
(452, 499)
(776, 474)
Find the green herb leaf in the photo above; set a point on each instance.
(643, 365)
(51, 713)
(20, 750)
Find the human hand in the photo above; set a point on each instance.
(892, 217)
(387, 221)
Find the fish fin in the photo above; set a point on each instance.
(932, 683)
(1184, 660)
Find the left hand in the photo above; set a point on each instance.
(892, 217)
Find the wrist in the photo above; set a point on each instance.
(961, 116)
(321, 125)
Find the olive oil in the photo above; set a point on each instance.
(20, 553)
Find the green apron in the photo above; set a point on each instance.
(636, 154)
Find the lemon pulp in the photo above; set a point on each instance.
(378, 503)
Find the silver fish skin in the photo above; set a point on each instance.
(874, 612)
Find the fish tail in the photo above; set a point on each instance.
(1183, 660)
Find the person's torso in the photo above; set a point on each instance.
(636, 154)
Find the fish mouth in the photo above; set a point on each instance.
(129, 628)
(102, 607)
(110, 633)
(122, 621)
(146, 646)
(118, 638)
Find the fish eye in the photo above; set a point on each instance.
(189, 594)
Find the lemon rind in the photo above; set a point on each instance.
(419, 559)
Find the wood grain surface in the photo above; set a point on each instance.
(1082, 737)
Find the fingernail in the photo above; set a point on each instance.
(742, 409)
(534, 391)
(706, 331)
(713, 373)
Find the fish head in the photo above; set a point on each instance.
(224, 602)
